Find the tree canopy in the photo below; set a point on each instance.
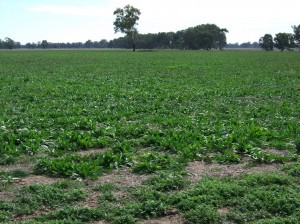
(284, 41)
(281, 41)
(126, 21)
(9, 43)
(266, 42)
(296, 30)
(44, 44)
(205, 36)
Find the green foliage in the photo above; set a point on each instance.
(202, 214)
(7, 178)
(81, 166)
(274, 203)
(296, 30)
(126, 21)
(38, 196)
(152, 208)
(9, 43)
(271, 195)
(152, 113)
(18, 173)
(106, 187)
(292, 169)
(205, 36)
(194, 115)
(260, 156)
(226, 157)
(261, 179)
(266, 42)
(64, 221)
(53, 195)
(279, 220)
(74, 214)
(297, 144)
(108, 197)
(257, 198)
(167, 181)
(4, 216)
(151, 161)
(284, 41)
(7, 159)
(148, 194)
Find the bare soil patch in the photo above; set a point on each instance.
(91, 201)
(6, 195)
(277, 152)
(100, 222)
(224, 210)
(22, 165)
(198, 169)
(121, 177)
(34, 180)
(91, 151)
(170, 219)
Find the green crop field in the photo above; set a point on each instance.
(95, 136)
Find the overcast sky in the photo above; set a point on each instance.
(80, 20)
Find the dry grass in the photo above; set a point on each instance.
(198, 169)
(169, 219)
(35, 179)
(91, 151)
(122, 178)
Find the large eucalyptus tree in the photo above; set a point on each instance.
(126, 21)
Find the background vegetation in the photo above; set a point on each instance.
(205, 36)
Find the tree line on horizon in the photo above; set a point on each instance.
(282, 41)
(170, 40)
(160, 41)
(205, 36)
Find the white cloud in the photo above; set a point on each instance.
(69, 10)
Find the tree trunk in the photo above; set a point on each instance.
(133, 41)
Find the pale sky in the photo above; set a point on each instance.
(81, 20)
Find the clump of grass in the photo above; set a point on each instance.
(152, 161)
(7, 159)
(152, 208)
(18, 173)
(4, 216)
(37, 196)
(75, 215)
(74, 166)
(7, 178)
(167, 181)
(297, 146)
(292, 169)
(202, 214)
(106, 187)
(108, 196)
